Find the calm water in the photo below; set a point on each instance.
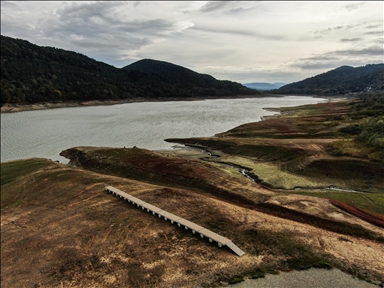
(45, 133)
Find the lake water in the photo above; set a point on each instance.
(45, 133)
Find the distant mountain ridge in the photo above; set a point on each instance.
(342, 80)
(33, 74)
(264, 85)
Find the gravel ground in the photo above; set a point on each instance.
(318, 278)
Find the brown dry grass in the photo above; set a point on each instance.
(370, 217)
(67, 231)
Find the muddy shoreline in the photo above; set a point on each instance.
(12, 108)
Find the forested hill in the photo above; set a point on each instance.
(171, 72)
(184, 78)
(342, 80)
(33, 74)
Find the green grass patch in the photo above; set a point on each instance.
(272, 174)
(259, 273)
(235, 279)
(307, 263)
(120, 154)
(262, 271)
(26, 182)
(268, 152)
(355, 149)
(367, 201)
(355, 174)
(69, 175)
(15, 169)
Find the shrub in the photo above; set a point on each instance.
(354, 129)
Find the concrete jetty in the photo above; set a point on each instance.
(174, 219)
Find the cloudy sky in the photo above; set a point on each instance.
(256, 41)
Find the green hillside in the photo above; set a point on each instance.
(33, 74)
(342, 80)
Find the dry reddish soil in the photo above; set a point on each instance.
(370, 217)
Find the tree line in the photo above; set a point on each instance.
(340, 81)
(33, 74)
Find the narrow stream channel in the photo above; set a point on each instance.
(247, 172)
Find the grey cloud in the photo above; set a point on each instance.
(317, 65)
(336, 58)
(83, 17)
(353, 6)
(223, 30)
(330, 65)
(228, 7)
(236, 10)
(243, 9)
(339, 27)
(95, 30)
(333, 59)
(92, 44)
(111, 45)
(214, 5)
(350, 39)
(8, 4)
(374, 26)
(15, 26)
(144, 27)
(323, 57)
(226, 30)
(374, 33)
(95, 24)
(86, 10)
(261, 76)
(373, 51)
(323, 31)
(316, 62)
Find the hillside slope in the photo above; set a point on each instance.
(184, 77)
(342, 80)
(33, 74)
(169, 71)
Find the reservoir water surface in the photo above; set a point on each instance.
(45, 133)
